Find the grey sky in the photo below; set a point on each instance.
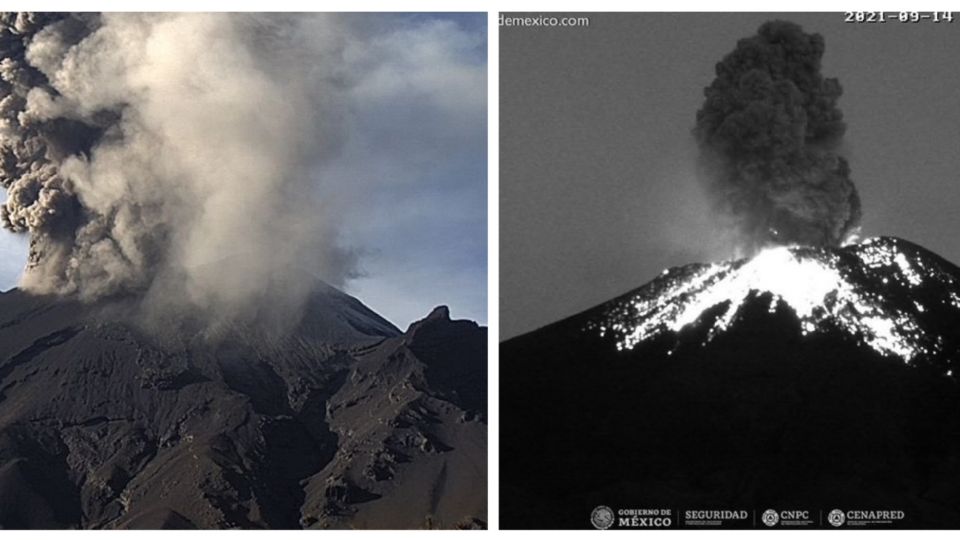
(597, 187)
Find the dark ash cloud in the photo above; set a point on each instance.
(769, 133)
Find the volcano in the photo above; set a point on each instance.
(801, 378)
(345, 422)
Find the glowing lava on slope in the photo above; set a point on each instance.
(882, 291)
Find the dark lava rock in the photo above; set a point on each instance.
(346, 422)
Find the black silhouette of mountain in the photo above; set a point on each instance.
(347, 422)
(805, 378)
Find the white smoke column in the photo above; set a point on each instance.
(204, 161)
(198, 191)
(208, 163)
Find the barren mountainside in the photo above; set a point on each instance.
(347, 422)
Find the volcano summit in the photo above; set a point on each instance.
(804, 377)
(345, 422)
(170, 357)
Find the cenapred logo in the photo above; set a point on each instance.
(602, 517)
(770, 518)
(836, 518)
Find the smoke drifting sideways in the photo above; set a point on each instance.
(168, 157)
(769, 133)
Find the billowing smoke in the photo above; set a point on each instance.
(768, 133)
(169, 156)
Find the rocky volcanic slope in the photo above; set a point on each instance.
(347, 423)
(803, 378)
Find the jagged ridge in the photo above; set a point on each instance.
(104, 426)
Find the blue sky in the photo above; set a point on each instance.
(13, 255)
(417, 154)
(414, 164)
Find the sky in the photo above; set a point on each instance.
(423, 159)
(412, 169)
(597, 186)
(13, 254)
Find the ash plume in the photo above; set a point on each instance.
(169, 156)
(769, 133)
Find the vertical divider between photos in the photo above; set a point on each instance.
(493, 270)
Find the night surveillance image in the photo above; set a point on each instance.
(729, 293)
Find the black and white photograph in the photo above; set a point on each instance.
(729, 293)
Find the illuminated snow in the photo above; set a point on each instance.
(907, 270)
(809, 281)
